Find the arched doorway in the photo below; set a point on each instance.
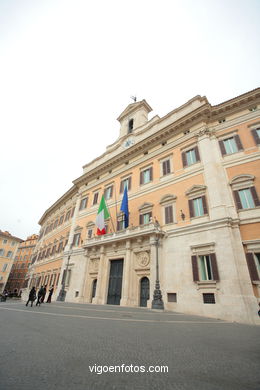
(144, 291)
(94, 287)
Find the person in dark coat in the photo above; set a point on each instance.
(50, 295)
(39, 296)
(32, 296)
(43, 294)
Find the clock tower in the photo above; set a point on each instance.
(133, 117)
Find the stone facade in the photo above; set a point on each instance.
(193, 181)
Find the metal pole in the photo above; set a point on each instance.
(62, 294)
(157, 302)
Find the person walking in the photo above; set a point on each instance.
(50, 295)
(39, 296)
(44, 293)
(32, 296)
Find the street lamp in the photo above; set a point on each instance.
(62, 294)
(157, 302)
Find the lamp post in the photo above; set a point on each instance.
(62, 294)
(157, 302)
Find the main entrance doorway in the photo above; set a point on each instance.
(144, 291)
(94, 287)
(115, 282)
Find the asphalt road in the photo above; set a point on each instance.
(57, 345)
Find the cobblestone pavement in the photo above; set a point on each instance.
(55, 346)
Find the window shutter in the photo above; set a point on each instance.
(164, 168)
(150, 216)
(255, 136)
(195, 270)
(168, 165)
(255, 197)
(237, 200)
(121, 186)
(112, 187)
(129, 183)
(141, 177)
(214, 266)
(222, 148)
(151, 173)
(204, 203)
(184, 159)
(196, 150)
(238, 142)
(251, 266)
(191, 208)
(141, 219)
(118, 225)
(168, 214)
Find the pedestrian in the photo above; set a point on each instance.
(44, 293)
(50, 295)
(32, 296)
(40, 293)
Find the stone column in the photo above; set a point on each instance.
(125, 300)
(152, 269)
(100, 297)
(219, 195)
(83, 288)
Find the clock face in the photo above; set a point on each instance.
(128, 142)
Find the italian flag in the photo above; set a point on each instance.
(101, 216)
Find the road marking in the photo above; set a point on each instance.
(115, 319)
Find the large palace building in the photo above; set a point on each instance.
(193, 180)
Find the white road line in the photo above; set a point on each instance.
(114, 319)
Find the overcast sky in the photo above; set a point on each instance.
(69, 67)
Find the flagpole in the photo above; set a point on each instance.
(110, 215)
(116, 202)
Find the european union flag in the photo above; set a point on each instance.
(124, 208)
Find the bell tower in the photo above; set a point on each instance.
(134, 116)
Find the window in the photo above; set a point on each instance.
(246, 198)
(125, 183)
(190, 156)
(166, 167)
(25, 257)
(48, 252)
(253, 263)
(61, 219)
(4, 267)
(256, 135)
(9, 254)
(67, 215)
(168, 214)
(172, 297)
(208, 298)
(4, 241)
(90, 232)
(198, 207)
(53, 250)
(130, 125)
(146, 176)
(60, 247)
(95, 198)
(55, 224)
(13, 243)
(83, 203)
(108, 193)
(204, 267)
(2, 252)
(76, 239)
(145, 218)
(230, 145)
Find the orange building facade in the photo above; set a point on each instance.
(22, 261)
(8, 249)
(193, 179)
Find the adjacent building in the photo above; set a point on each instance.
(193, 180)
(8, 248)
(17, 276)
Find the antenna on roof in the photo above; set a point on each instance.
(133, 97)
